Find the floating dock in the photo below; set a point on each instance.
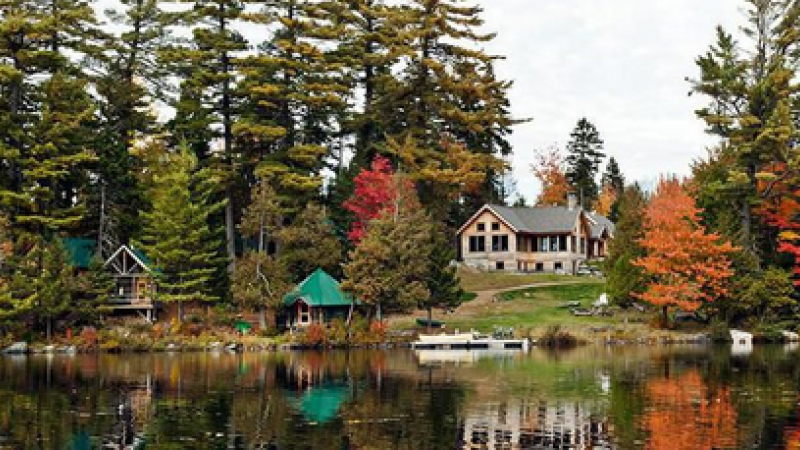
(466, 341)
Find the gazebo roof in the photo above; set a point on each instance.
(318, 289)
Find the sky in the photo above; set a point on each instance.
(622, 64)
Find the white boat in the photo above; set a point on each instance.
(443, 337)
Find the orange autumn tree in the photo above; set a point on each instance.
(548, 168)
(686, 265)
(605, 201)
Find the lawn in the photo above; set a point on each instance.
(535, 309)
(474, 281)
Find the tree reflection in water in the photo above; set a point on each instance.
(592, 397)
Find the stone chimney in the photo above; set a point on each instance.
(572, 201)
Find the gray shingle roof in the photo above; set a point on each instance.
(550, 219)
(598, 223)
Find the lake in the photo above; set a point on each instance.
(589, 397)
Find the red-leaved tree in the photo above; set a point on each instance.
(377, 190)
(687, 266)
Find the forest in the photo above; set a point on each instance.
(225, 139)
(241, 144)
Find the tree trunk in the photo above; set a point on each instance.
(262, 317)
(430, 318)
(664, 317)
(378, 314)
(230, 225)
(180, 312)
(49, 327)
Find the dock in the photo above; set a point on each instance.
(467, 341)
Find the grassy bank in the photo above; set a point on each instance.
(532, 310)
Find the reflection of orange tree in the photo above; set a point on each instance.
(685, 414)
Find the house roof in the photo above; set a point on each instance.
(548, 219)
(598, 223)
(318, 289)
(79, 251)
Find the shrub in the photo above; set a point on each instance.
(316, 335)
(555, 337)
(337, 332)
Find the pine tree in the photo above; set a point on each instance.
(625, 280)
(176, 233)
(309, 243)
(613, 177)
(585, 151)
(261, 279)
(130, 79)
(207, 99)
(443, 283)
(295, 96)
(751, 106)
(448, 92)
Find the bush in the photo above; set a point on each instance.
(316, 335)
(337, 331)
(719, 332)
(555, 337)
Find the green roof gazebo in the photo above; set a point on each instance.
(317, 299)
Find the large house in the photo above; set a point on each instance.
(540, 239)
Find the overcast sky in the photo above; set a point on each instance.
(620, 63)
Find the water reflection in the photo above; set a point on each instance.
(592, 397)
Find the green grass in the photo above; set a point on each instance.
(473, 281)
(535, 309)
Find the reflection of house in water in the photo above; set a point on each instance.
(522, 424)
(315, 393)
(132, 416)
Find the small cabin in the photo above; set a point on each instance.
(135, 284)
(318, 299)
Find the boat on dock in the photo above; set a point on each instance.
(466, 341)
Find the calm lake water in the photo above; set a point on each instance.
(591, 397)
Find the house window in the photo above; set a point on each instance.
(540, 267)
(304, 316)
(500, 265)
(558, 266)
(495, 226)
(477, 244)
(573, 244)
(500, 243)
(583, 245)
(481, 226)
(554, 243)
(562, 243)
(543, 244)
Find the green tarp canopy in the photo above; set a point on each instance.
(318, 289)
(79, 250)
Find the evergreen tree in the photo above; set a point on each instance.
(309, 243)
(259, 282)
(624, 279)
(92, 290)
(443, 283)
(613, 176)
(295, 96)
(207, 100)
(448, 93)
(130, 79)
(177, 234)
(261, 279)
(752, 107)
(585, 151)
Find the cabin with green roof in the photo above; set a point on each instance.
(318, 299)
(135, 288)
